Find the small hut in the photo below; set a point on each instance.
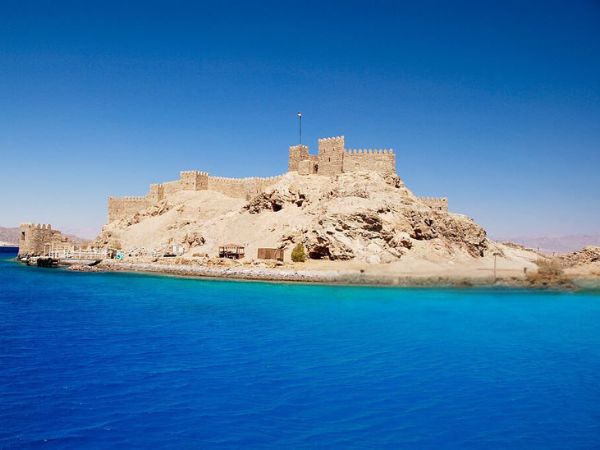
(231, 251)
(270, 253)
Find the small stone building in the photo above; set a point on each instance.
(40, 239)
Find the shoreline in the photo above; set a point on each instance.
(343, 278)
(313, 276)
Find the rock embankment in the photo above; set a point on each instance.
(84, 268)
(268, 272)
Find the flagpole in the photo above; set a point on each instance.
(300, 127)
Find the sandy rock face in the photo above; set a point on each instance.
(274, 201)
(462, 231)
(360, 216)
(369, 217)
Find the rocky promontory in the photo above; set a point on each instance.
(358, 218)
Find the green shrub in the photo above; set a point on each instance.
(549, 273)
(298, 254)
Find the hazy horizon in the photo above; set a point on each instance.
(494, 106)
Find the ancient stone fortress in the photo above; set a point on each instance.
(332, 159)
(40, 239)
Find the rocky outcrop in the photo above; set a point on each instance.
(274, 201)
(193, 239)
(587, 255)
(370, 217)
(362, 216)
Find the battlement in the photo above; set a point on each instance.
(377, 160)
(369, 151)
(36, 226)
(334, 139)
(192, 172)
(245, 180)
(436, 203)
(300, 147)
(130, 198)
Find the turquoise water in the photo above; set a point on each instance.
(135, 361)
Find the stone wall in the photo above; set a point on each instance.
(382, 161)
(436, 203)
(156, 192)
(308, 166)
(240, 187)
(170, 187)
(121, 207)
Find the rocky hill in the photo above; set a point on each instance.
(361, 217)
(587, 255)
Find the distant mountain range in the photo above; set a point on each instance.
(10, 236)
(555, 244)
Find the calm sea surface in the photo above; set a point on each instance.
(135, 361)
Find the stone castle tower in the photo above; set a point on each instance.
(333, 158)
(331, 155)
(39, 239)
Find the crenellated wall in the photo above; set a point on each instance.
(193, 180)
(121, 207)
(240, 187)
(382, 161)
(436, 203)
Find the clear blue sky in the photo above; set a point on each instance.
(493, 104)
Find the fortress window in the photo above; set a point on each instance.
(329, 159)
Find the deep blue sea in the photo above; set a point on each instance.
(138, 361)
